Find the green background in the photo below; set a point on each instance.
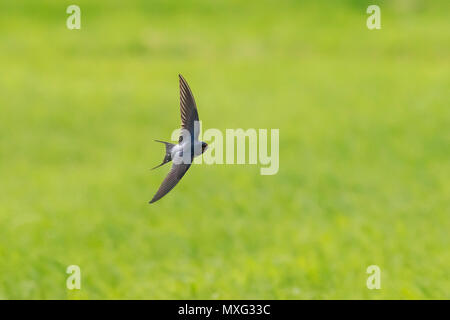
(364, 149)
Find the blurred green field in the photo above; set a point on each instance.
(364, 150)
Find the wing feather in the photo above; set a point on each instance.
(188, 109)
(173, 177)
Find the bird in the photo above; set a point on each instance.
(188, 145)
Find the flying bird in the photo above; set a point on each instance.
(188, 145)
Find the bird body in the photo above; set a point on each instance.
(188, 145)
(180, 149)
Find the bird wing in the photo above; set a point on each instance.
(173, 177)
(188, 110)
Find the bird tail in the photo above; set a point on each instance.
(168, 155)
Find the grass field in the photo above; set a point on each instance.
(364, 173)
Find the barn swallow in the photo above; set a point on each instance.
(188, 145)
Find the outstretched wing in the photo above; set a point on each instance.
(188, 110)
(173, 177)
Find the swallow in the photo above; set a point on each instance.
(188, 145)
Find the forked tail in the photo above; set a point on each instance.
(167, 156)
